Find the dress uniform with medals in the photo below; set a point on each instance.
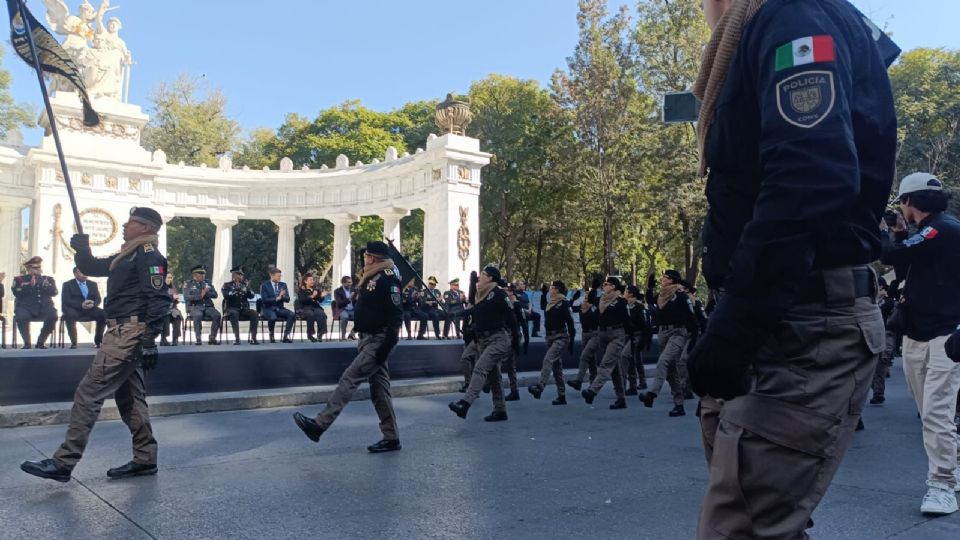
(455, 302)
(799, 134)
(34, 294)
(236, 298)
(377, 319)
(430, 308)
(200, 294)
(135, 306)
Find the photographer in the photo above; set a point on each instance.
(931, 312)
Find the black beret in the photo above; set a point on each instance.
(674, 276)
(561, 286)
(493, 272)
(147, 215)
(634, 291)
(378, 249)
(613, 280)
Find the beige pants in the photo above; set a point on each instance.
(934, 380)
(365, 368)
(588, 356)
(494, 350)
(553, 360)
(467, 359)
(115, 372)
(672, 364)
(611, 367)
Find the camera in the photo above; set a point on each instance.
(890, 217)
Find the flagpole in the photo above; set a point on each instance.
(416, 275)
(50, 117)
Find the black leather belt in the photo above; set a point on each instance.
(123, 320)
(814, 290)
(482, 335)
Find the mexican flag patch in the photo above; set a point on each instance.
(805, 50)
(929, 233)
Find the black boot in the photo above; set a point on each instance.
(677, 411)
(620, 403)
(132, 469)
(561, 400)
(860, 426)
(496, 416)
(308, 426)
(576, 385)
(535, 390)
(460, 407)
(588, 396)
(877, 399)
(647, 399)
(512, 396)
(384, 446)
(632, 390)
(46, 469)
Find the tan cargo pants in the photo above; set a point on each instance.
(365, 368)
(933, 380)
(588, 355)
(553, 360)
(115, 372)
(467, 359)
(776, 449)
(494, 349)
(672, 362)
(611, 367)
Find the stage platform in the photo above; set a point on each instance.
(51, 375)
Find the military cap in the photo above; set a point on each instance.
(674, 276)
(147, 216)
(455, 281)
(378, 249)
(432, 279)
(237, 270)
(493, 272)
(199, 269)
(33, 261)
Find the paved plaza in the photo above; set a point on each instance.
(549, 472)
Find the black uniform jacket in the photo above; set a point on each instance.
(378, 304)
(616, 315)
(558, 318)
(236, 296)
(134, 287)
(932, 293)
(800, 157)
(33, 299)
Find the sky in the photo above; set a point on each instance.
(273, 58)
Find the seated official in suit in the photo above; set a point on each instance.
(342, 306)
(80, 301)
(34, 294)
(173, 318)
(200, 294)
(274, 294)
(236, 297)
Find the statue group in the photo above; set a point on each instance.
(99, 52)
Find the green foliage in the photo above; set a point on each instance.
(189, 127)
(258, 150)
(13, 115)
(255, 248)
(189, 243)
(926, 84)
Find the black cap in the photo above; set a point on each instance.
(199, 268)
(674, 276)
(147, 215)
(378, 249)
(493, 272)
(237, 270)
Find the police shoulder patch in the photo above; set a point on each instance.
(388, 272)
(156, 281)
(395, 297)
(805, 99)
(148, 248)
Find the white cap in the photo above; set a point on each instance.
(919, 181)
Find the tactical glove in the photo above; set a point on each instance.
(718, 366)
(80, 242)
(149, 355)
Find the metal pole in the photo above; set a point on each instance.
(50, 117)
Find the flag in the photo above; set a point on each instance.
(805, 50)
(52, 57)
(405, 272)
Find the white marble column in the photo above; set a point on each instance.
(342, 260)
(285, 247)
(453, 211)
(166, 216)
(222, 250)
(10, 227)
(391, 225)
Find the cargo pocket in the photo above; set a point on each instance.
(874, 341)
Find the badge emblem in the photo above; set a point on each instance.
(805, 99)
(156, 281)
(396, 298)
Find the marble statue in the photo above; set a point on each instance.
(99, 52)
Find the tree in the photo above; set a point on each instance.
(13, 115)
(600, 89)
(926, 85)
(190, 242)
(189, 127)
(258, 150)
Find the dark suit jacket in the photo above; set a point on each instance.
(341, 300)
(270, 298)
(71, 299)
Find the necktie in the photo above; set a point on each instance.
(276, 289)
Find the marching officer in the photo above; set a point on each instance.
(614, 327)
(34, 294)
(801, 157)
(454, 301)
(589, 346)
(561, 331)
(236, 297)
(377, 318)
(200, 294)
(135, 307)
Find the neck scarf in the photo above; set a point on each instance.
(717, 55)
(483, 289)
(554, 300)
(129, 247)
(607, 299)
(666, 293)
(585, 306)
(371, 270)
